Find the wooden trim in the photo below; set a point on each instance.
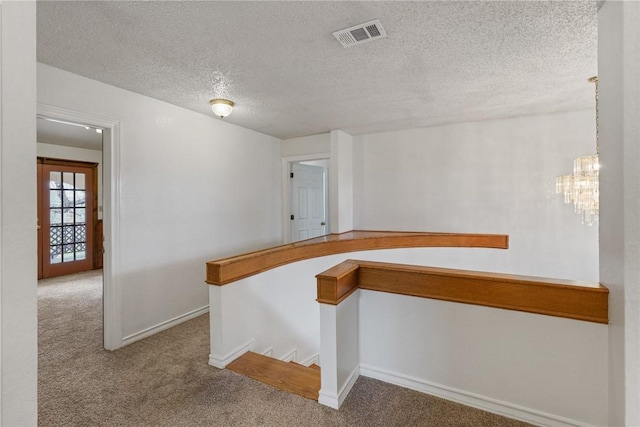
(227, 270)
(98, 243)
(64, 162)
(337, 283)
(40, 242)
(553, 297)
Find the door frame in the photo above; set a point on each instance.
(112, 292)
(286, 189)
(94, 238)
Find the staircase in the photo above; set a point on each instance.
(288, 376)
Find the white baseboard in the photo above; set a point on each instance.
(328, 399)
(314, 359)
(291, 356)
(348, 385)
(333, 400)
(485, 403)
(129, 339)
(221, 362)
(267, 352)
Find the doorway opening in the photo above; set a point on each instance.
(69, 206)
(85, 140)
(306, 200)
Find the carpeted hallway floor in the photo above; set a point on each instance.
(165, 380)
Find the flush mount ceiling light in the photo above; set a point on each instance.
(221, 107)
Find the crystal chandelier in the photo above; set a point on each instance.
(582, 187)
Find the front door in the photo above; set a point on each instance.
(66, 217)
(308, 202)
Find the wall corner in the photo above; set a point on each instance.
(341, 182)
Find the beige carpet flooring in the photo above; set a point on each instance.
(165, 380)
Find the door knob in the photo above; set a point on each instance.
(323, 223)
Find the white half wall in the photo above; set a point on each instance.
(18, 261)
(541, 369)
(275, 309)
(484, 177)
(192, 188)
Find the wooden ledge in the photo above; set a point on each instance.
(227, 270)
(553, 297)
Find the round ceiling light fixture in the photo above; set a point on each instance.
(221, 107)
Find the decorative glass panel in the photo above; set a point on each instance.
(54, 180)
(55, 198)
(55, 216)
(67, 198)
(81, 233)
(81, 216)
(68, 254)
(68, 216)
(67, 234)
(81, 251)
(55, 236)
(67, 180)
(80, 198)
(55, 254)
(80, 181)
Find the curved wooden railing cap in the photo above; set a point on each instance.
(227, 270)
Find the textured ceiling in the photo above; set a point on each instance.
(443, 62)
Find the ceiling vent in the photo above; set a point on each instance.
(362, 33)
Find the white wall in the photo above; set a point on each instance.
(313, 144)
(192, 188)
(341, 182)
(542, 369)
(74, 153)
(485, 177)
(619, 74)
(18, 277)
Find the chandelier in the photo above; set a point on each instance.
(582, 186)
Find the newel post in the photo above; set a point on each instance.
(339, 342)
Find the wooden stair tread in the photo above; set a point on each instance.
(312, 366)
(290, 377)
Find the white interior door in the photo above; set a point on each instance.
(308, 202)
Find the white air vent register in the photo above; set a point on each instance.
(362, 33)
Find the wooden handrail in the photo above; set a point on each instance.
(553, 297)
(338, 282)
(227, 270)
